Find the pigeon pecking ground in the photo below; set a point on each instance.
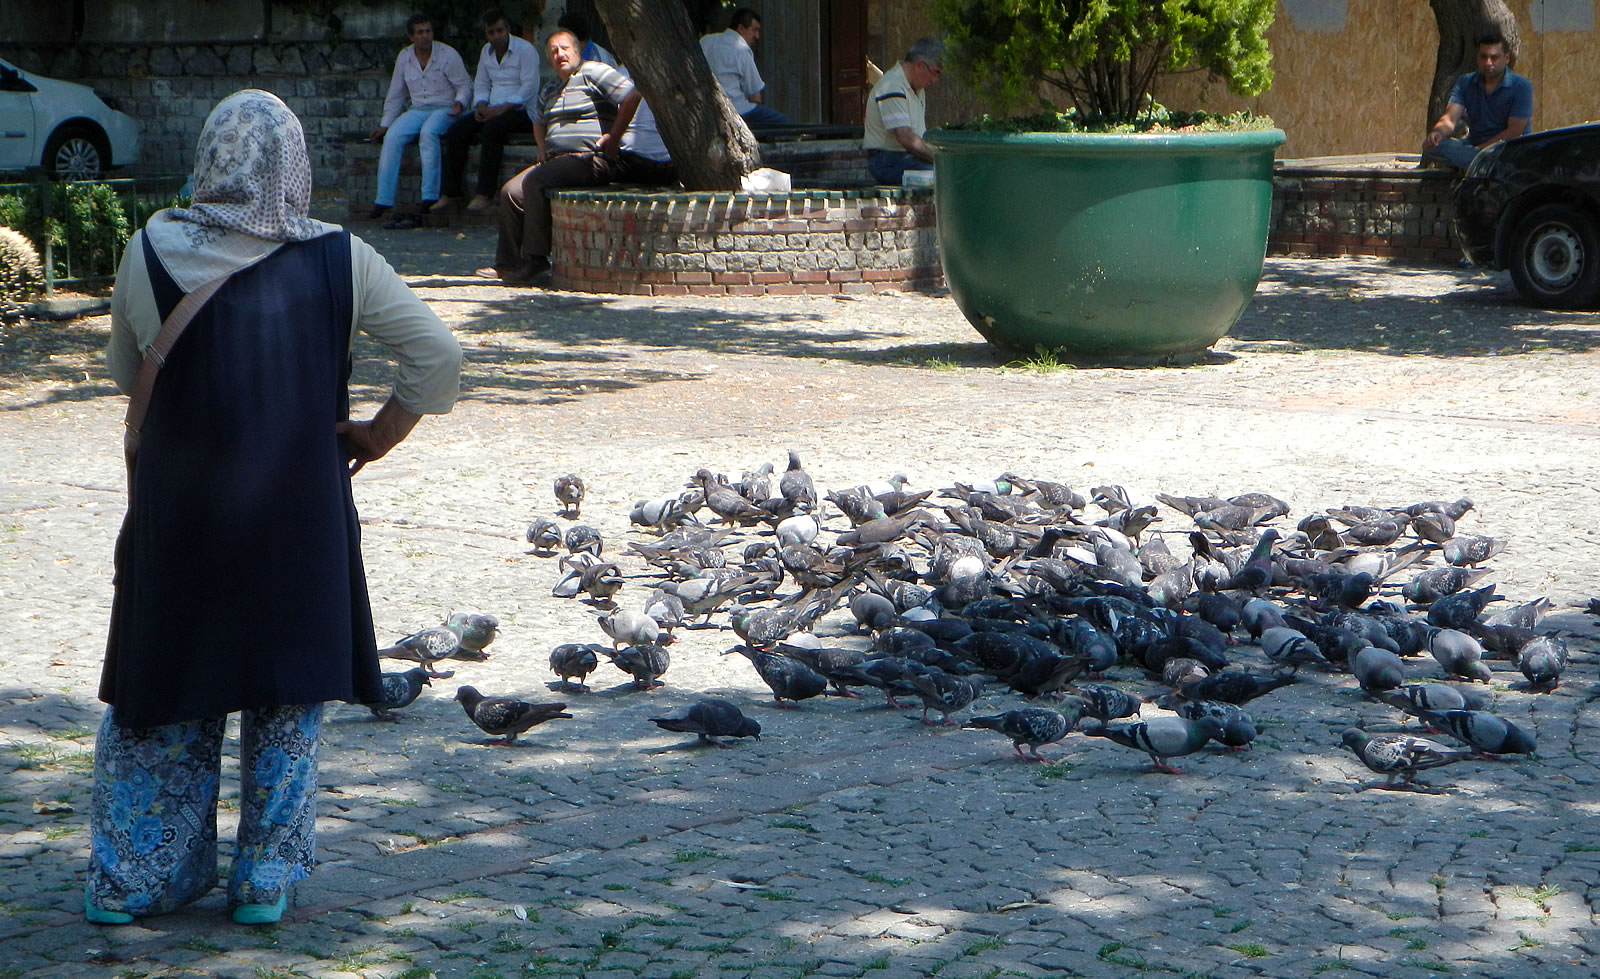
(852, 839)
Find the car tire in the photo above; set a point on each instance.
(76, 153)
(1554, 257)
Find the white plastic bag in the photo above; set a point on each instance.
(766, 181)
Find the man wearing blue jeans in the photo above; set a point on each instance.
(734, 65)
(433, 79)
(897, 114)
(1494, 101)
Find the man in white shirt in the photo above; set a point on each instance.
(897, 114)
(433, 79)
(734, 65)
(506, 84)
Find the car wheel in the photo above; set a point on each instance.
(1554, 257)
(76, 153)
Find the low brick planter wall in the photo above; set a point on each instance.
(820, 242)
(1380, 206)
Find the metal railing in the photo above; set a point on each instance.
(138, 196)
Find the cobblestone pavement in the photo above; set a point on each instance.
(851, 840)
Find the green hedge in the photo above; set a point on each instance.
(88, 226)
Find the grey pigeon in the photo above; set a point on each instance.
(583, 537)
(1238, 727)
(1469, 551)
(788, 679)
(1523, 616)
(399, 690)
(765, 627)
(1435, 583)
(667, 609)
(1459, 654)
(1414, 698)
(725, 501)
(711, 719)
(1396, 755)
(795, 484)
(427, 646)
(1161, 737)
(601, 581)
(477, 631)
(1542, 661)
(1233, 686)
(1461, 610)
(1488, 733)
(755, 486)
(1258, 615)
(1378, 669)
(504, 716)
(1285, 647)
(873, 611)
(1031, 726)
(544, 534)
(946, 694)
(645, 663)
(573, 659)
(569, 493)
(630, 628)
(1104, 703)
(1256, 574)
(1434, 526)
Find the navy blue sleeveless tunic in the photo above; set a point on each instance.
(239, 580)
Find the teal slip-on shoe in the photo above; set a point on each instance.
(261, 914)
(98, 917)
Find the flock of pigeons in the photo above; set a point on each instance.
(1029, 585)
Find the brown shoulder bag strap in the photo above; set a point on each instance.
(155, 357)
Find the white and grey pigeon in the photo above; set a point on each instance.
(710, 719)
(426, 646)
(1543, 661)
(945, 693)
(399, 690)
(1160, 737)
(569, 493)
(626, 627)
(575, 659)
(1397, 755)
(1031, 726)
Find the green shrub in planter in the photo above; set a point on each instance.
(87, 228)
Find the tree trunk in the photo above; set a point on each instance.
(1460, 22)
(711, 146)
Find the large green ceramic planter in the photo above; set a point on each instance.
(1123, 247)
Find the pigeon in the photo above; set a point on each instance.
(873, 611)
(1488, 733)
(1378, 670)
(725, 501)
(544, 535)
(1459, 654)
(504, 716)
(1524, 616)
(1160, 737)
(755, 486)
(601, 581)
(572, 659)
(399, 690)
(704, 595)
(1414, 698)
(1031, 726)
(802, 528)
(1435, 583)
(630, 628)
(1256, 574)
(645, 663)
(788, 679)
(1470, 551)
(1435, 527)
(946, 694)
(1238, 727)
(1542, 662)
(1258, 615)
(569, 493)
(667, 609)
(476, 630)
(1461, 610)
(764, 627)
(711, 719)
(1104, 703)
(582, 537)
(1285, 647)
(795, 484)
(1395, 755)
(1233, 686)
(427, 647)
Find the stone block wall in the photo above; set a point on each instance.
(805, 243)
(1396, 212)
(335, 88)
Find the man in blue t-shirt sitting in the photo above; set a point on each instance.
(1494, 101)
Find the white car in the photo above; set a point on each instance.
(63, 127)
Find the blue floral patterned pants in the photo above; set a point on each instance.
(153, 824)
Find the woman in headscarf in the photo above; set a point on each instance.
(239, 582)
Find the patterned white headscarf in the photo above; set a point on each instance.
(252, 190)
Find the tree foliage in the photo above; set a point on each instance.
(1104, 55)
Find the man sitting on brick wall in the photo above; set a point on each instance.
(507, 83)
(1494, 101)
(434, 80)
(578, 126)
(734, 65)
(897, 114)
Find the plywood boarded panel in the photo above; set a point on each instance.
(790, 57)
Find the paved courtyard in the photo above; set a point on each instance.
(851, 840)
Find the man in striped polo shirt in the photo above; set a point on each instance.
(578, 125)
(897, 114)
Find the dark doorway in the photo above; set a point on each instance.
(845, 61)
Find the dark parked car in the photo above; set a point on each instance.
(1532, 205)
